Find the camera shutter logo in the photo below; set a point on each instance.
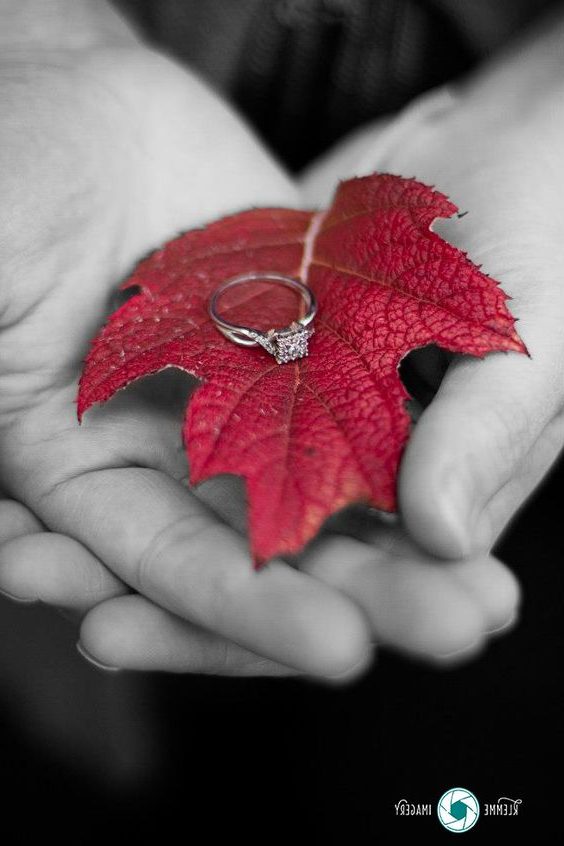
(458, 810)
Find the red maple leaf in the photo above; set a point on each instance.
(314, 435)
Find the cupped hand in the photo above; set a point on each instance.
(107, 155)
(412, 602)
(495, 426)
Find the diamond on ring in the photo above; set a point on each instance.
(287, 344)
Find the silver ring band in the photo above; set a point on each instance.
(286, 344)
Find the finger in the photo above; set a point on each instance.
(16, 520)
(481, 447)
(533, 468)
(414, 603)
(495, 588)
(56, 570)
(488, 580)
(167, 546)
(133, 633)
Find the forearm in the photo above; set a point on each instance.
(60, 24)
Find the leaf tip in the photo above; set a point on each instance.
(259, 562)
(522, 347)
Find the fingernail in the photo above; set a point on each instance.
(356, 670)
(472, 647)
(21, 600)
(94, 661)
(504, 626)
(456, 506)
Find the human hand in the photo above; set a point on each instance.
(111, 493)
(108, 153)
(413, 603)
(496, 425)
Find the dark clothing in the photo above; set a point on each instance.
(305, 72)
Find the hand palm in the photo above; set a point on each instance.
(127, 130)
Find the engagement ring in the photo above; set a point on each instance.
(287, 344)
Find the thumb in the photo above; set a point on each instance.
(481, 447)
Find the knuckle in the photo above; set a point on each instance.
(511, 429)
(504, 439)
(185, 550)
(181, 534)
(15, 520)
(100, 584)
